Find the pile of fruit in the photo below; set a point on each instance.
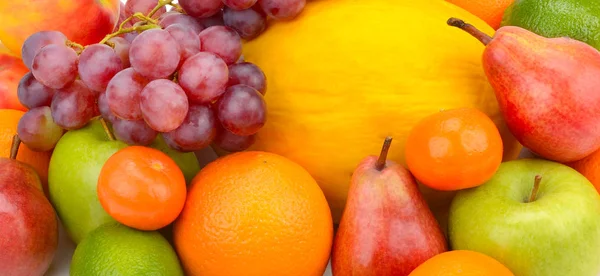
(147, 133)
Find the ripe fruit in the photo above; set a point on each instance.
(454, 149)
(589, 167)
(83, 21)
(259, 211)
(377, 93)
(11, 73)
(115, 248)
(9, 119)
(142, 188)
(461, 262)
(491, 11)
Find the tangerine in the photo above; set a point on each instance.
(254, 213)
(9, 119)
(142, 188)
(491, 11)
(589, 167)
(454, 149)
(461, 262)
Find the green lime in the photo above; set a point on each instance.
(577, 19)
(115, 249)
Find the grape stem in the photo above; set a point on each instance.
(109, 133)
(14, 149)
(161, 3)
(76, 46)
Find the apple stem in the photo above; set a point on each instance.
(481, 36)
(14, 148)
(109, 133)
(536, 186)
(380, 165)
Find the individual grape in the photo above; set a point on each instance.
(173, 11)
(134, 132)
(248, 74)
(122, 17)
(37, 129)
(98, 64)
(201, 8)
(123, 94)
(32, 93)
(73, 106)
(183, 19)
(213, 20)
(104, 109)
(232, 142)
(188, 41)
(282, 9)
(55, 66)
(37, 41)
(249, 23)
(203, 77)
(130, 36)
(242, 110)
(223, 41)
(196, 132)
(143, 6)
(239, 4)
(155, 54)
(164, 105)
(122, 49)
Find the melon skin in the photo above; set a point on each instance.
(347, 73)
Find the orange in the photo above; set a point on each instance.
(589, 167)
(254, 213)
(454, 149)
(461, 262)
(9, 118)
(142, 188)
(491, 11)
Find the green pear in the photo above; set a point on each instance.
(73, 175)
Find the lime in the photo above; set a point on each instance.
(577, 19)
(115, 249)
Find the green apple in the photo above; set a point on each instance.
(73, 175)
(548, 228)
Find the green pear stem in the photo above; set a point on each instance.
(14, 148)
(380, 165)
(536, 187)
(481, 36)
(109, 133)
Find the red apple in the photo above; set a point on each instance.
(29, 232)
(12, 70)
(82, 21)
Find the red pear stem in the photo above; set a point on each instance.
(110, 135)
(481, 36)
(536, 187)
(380, 165)
(14, 148)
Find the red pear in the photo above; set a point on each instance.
(548, 89)
(387, 227)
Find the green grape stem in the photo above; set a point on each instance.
(109, 133)
(76, 46)
(147, 23)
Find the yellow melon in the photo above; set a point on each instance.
(347, 73)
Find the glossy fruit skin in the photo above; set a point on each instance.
(258, 210)
(563, 123)
(454, 149)
(29, 232)
(495, 220)
(12, 72)
(577, 19)
(8, 128)
(461, 262)
(73, 177)
(387, 227)
(94, 19)
(491, 11)
(381, 86)
(142, 188)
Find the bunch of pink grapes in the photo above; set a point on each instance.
(185, 81)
